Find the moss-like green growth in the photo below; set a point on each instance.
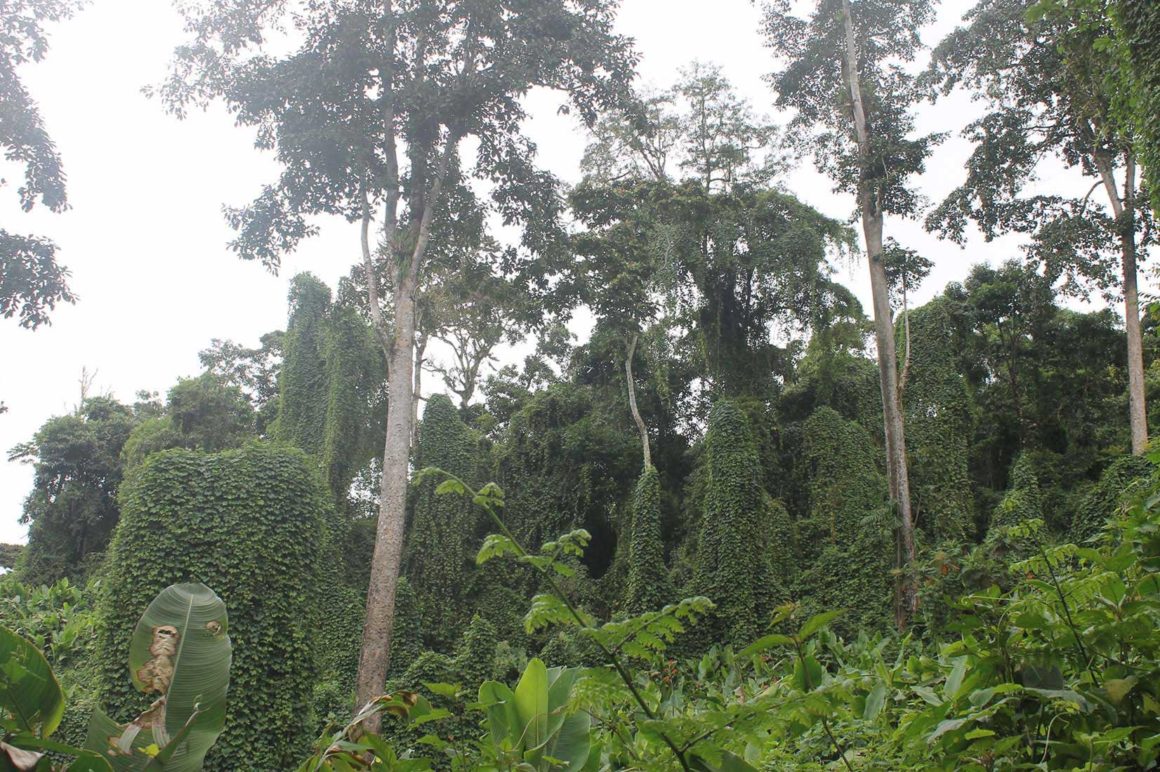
(648, 580)
(938, 427)
(846, 544)
(566, 463)
(1107, 497)
(742, 552)
(355, 373)
(248, 523)
(302, 382)
(1023, 500)
(407, 634)
(443, 538)
(330, 384)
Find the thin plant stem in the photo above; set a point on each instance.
(612, 656)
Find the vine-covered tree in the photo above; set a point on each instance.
(648, 587)
(940, 424)
(1023, 500)
(368, 113)
(443, 537)
(847, 77)
(249, 523)
(844, 538)
(31, 281)
(744, 550)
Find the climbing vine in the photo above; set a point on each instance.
(249, 524)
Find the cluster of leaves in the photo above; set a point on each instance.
(1057, 671)
(249, 523)
(180, 649)
(31, 281)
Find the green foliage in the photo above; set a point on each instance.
(531, 723)
(31, 281)
(443, 535)
(247, 522)
(1140, 23)
(648, 579)
(329, 384)
(742, 557)
(475, 657)
(32, 697)
(72, 508)
(253, 370)
(59, 620)
(565, 463)
(204, 413)
(302, 382)
(209, 414)
(32, 705)
(845, 547)
(354, 397)
(181, 651)
(1023, 500)
(939, 424)
(350, 748)
(1106, 499)
(812, 78)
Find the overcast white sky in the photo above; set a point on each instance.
(145, 239)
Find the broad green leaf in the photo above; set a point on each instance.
(503, 719)
(817, 622)
(532, 704)
(495, 545)
(83, 761)
(955, 678)
(181, 648)
(29, 692)
(874, 702)
(807, 673)
(570, 743)
(948, 725)
(1118, 688)
(443, 690)
(450, 487)
(765, 643)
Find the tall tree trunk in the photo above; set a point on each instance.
(1125, 213)
(892, 416)
(380, 612)
(375, 655)
(417, 391)
(640, 427)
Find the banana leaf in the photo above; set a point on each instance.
(181, 650)
(30, 696)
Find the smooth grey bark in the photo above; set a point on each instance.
(1124, 211)
(640, 426)
(892, 416)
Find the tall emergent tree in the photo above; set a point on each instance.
(368, 112)
(844, 74)
(31, 281)
(1052, 84)
(1141, 27)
